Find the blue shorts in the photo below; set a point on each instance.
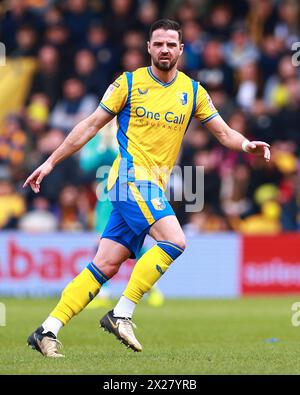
(137, 206)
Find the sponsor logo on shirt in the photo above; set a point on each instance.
(170, 116)
(144, 92)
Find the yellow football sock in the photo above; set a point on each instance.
(78, 293)
(149, 268)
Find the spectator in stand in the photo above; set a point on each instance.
(214, 72)
(287, 164)
(69, 172)
(288, 118)
(206, 221)
(275, 91)
(122, 17)
(26, 42)
(74, 211)
(230, 159)
(260, 175)
(186, 11)
(58, 36)
(249, 86)
(223, 102)
(39, 218)
(78, 17)
(133, 59)
(17, 15)
(48, 77)
(266, 222)
(195, 40)
(53, 15)
(262, 122)
(86, 70)
(209, 159)
(100, 152)
(107, 56)
(234, 187)
(219, 21)
(240, 50)
(37, 114)
(148, 12)
(239, 9)
(197, 139)
(272, 50)
(13, 142)
(261, 19)
(74, 106)
(287, 27)
(134, 39)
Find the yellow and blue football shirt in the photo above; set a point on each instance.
(152, 119)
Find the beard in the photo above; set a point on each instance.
(164, 66)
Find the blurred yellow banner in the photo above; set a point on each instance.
(15, 79)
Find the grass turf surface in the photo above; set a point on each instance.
(181, 337)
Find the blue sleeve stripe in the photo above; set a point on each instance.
(126, 161)
(195, 91)
(106, 109)
(129, 83)
(99, 276)
(209, 118)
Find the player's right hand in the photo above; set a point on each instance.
(35, 178)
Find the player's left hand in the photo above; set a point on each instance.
(259, 148)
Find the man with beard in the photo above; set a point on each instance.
(154, 106)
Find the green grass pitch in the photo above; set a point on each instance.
(181, 337)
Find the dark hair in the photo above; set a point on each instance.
(166, 24)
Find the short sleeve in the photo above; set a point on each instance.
(115, 97)
(205, 110)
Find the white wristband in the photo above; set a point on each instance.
(244, 145)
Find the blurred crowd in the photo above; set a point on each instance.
(240, 51)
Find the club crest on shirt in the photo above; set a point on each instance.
(158, 203)
(143, 92)
(183, 98)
